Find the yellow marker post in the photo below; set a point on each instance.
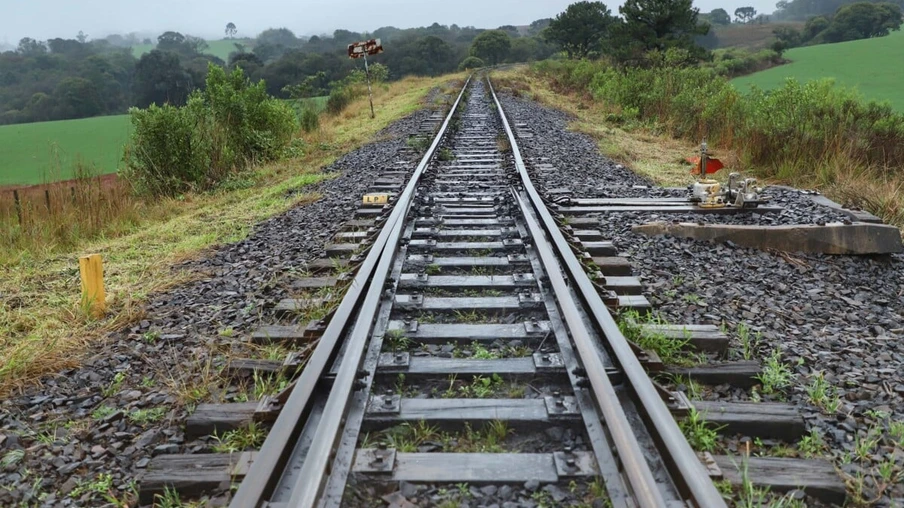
(93, 295)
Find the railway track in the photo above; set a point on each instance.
(473, 349)
(473, 358)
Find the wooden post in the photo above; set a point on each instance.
(93, 295)
(47, 199)
(18, 206)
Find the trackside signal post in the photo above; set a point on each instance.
(361, 50)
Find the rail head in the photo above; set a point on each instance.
(687, 472)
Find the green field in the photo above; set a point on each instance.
(873, 66)
(219, 49)
(29, 152)
(46, 151)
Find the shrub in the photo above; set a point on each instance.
(795, 129)
(228, 127)
(472, 62)
(310, 120)
(339, 99)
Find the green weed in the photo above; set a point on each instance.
(776, 376)
(250, 436)
(145, 416)
(701, 436)
(812, 444)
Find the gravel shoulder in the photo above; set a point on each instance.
(837, 322)
(82, 438)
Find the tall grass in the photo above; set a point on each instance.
(56, 217)
(812, 133)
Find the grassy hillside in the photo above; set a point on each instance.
(753, 37)
(220, 49)
(870, 65)
(46, 151)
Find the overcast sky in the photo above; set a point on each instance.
(43, 19)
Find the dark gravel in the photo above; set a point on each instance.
(57, 441)
(840, 315)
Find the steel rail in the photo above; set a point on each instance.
(640, 476)
(687, 471)
(266, 470)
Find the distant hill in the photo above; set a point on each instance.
(220, 49)
(749, 36)
(870, 65)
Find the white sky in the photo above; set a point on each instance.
(43, 19)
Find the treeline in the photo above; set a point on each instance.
(851, 22)
(282, 59)
(62, 79)
(802, 10)
(76, 78)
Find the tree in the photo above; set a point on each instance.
(786, 38)
(657, 25)
(538, 26)
(814, 26)
(472, 62)
(231, 30)
(436, 54)
(512, 30)
(81, 37)
(171, 41)
(31, 47)
(863, 20)
(745, 14)
(278, 37)
(491, 46)
(160, 79)
(719, 17)
(77, 98)
(581, 29)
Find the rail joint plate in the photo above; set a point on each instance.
(373, 460)
(574, 464)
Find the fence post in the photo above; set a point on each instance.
(47, 199)
(94, 298)
(18, 206)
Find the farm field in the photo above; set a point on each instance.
(43, 152)
(870, 65)
(219, 49)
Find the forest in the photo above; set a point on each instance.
(77, 78)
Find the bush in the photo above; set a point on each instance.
(795, 128)
(310, 120)
(472, 62)
(339, 99)
(228, 127)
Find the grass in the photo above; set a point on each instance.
(752, 36)
(317, 104)
(671, 351)
(220, 49)
(701, 436)
(859, 64)
(46, 152)
(42, 328)
(776, 375)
